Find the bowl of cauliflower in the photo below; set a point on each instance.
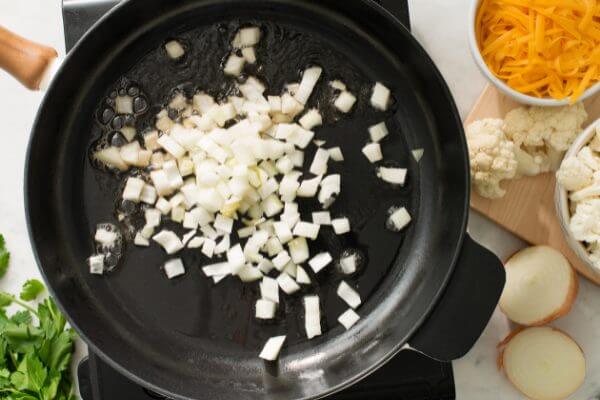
(577, 196)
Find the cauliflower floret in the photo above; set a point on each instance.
(492, 157)
(589, 158)
(574, 174)
(585, 223)
(595, 143)
(539, 126)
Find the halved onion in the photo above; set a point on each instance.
(543, 363)
(541, 286)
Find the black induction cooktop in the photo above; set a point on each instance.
(409, 376)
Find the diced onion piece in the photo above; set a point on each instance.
(265, 309)
(195, 243)
(272, 206)
(130, 153)
(272, 348)
(345, 102)
(541, 286)
(128, 132)
(147, 232)
(105, 237)
(203, 102)
(399, 219)
(269, 289)
(309, 80)
(151, 141)
(273, 247)
(124, 105)
(224, 245)
(96, 264)
(319, 143)
(373, 152)
(543, 363)
(223, 224)
(283, 232)
(338, 85)
(111, 157)
(169, 241)
(148, 195)
(290, 106)
(335, 153)
(140, 240)
(320, 261)
(188, 236)
(309, 187)
(178, 214)
(174, 268)
(380, 97)
(133, 189)
(321, 218)
(246, 232)
(249, 55)
(348, 264)
(236, 259)
(307, 230)
(289, 186)
(331, 186)
(265, 265)
(268, 188)
(299, 251)
(418, 154)
(250, 274)
(163, 206)
(319, 164)
(341, 225)
(152, 216)
(208, 248)
(218, 269)
(349, 295)
(349, 318)
(171, 146)
(395, 176)
(312, 316)
(234, 65)
(173, 175)
(218, 278)
(311, 119)
(281, 260)
(174, 49)
(287, 284)
(378, 132)
(161, 182)
(249, 36)
(302, 277)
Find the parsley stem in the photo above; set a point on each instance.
(25, 305)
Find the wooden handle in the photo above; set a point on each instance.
(25, 60)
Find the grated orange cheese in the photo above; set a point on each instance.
(542, 48)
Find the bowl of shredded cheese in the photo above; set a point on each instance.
(538, 52)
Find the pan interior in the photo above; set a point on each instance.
(186, 336)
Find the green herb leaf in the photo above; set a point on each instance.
(6, 299)
(4, 257)
(31, 289)
(21, 317)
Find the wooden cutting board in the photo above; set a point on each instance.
(527, 209)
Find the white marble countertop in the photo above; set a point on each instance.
(440, 26)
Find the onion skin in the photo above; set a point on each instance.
(562, 311)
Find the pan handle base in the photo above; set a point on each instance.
(465, 308)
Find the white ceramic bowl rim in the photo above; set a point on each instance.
(561, 200)
(518, 96)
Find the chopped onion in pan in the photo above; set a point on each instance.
(224, 245)
(348, 264)
(195, 243)
(299, 250)
(188, 236)
(380, 97)
(345, 102)
(234, 65)
(148, 195)
(311, 119)
(418, 154)
(272, 348)
(396, 176)
(124, 105)
(249, 55)
(174, 268)
(217, 269)
(96, 264)
(133, 189)
(348, 294)
(283, 232)
(338, 85)
(236, 259)
(341, 225)
(208, 248)
(174, 49)
(265, 309)
(348, 318)
(169, 241)
(140, 240)
(321, 218)
(287, 283)
(309, 187)
(320, 261)
(336, 154)
(373, 152)
(302, 277)
(281, 260)
(152, 217)
(312, 316)
(307, 230)
(378, 132)
(309, 80)
(269, 289)
(319, 164)
(111, 157)
(250, 274)
(171, 146)
(398, 219)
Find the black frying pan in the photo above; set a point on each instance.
(431, 286)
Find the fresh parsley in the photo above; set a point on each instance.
(34, 352)
(31, 289)
(4, 257)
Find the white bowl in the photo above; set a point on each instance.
(500, 84)
(561, 201)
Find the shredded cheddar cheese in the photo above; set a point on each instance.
(542, 48)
